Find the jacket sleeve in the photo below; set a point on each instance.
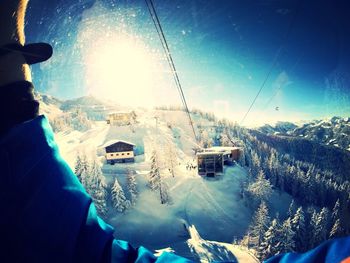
(92, 237)
(121, 253)
(331, 251)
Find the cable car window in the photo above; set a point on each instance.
(237, 114)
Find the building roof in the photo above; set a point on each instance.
(120, 112)
(111, 142)
(209, 153)
(224, 148)
(219, 149)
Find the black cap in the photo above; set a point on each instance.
(33, 53)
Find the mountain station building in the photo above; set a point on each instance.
(230, 154)
(211, 161)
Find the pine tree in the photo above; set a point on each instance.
(259, 225)
(120, 203)
(291, 209)
(287, 243)
(272, 165)
(308, 186)
(155, 180)
(260, 189)
(171, 158)
(319, 222)
(335, 211)
(271, 240)
(313, 226)
(256, 164)
(81, 168)
(96, 187)
(77, 168)
(132, 186)
(206, 141)
(85, 169)
(224, 139)
(164, 193)
(336, 230)
(298, 226)
(154, 175)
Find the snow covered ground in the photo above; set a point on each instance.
(213, 206)
(201, 209)
(209, 251)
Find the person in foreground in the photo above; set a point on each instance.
(47, 216)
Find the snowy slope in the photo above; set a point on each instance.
(212, 206)
(208, 251)
(49, 105)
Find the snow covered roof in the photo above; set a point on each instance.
(110, 142)
(221, 149)
(120, 112)
(209, 153)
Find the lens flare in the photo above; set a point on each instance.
(120, 69)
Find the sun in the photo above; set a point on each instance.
(121, 68)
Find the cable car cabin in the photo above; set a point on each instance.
(210, 163)
(119, 152)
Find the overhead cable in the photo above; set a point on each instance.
(169, 58)
(278, 52)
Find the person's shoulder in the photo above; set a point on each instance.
(26, 130)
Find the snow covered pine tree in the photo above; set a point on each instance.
(120, 203)
(131, 186)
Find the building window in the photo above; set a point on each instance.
(111, 154)
(117, 154)
(128, 153)
(122, 153)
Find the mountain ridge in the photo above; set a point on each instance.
(333, 131)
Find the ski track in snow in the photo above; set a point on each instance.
(215, 204)
(209, 251)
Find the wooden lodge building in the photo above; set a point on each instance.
(211, 161)
(119, 151)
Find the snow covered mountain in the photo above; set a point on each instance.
(214, 208)
(197, 217)
(279, 128)
(334, 131)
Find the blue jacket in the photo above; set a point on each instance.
(46, 215)
(332, 251)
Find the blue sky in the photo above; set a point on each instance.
(222, 50)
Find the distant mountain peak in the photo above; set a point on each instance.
(334, 131)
